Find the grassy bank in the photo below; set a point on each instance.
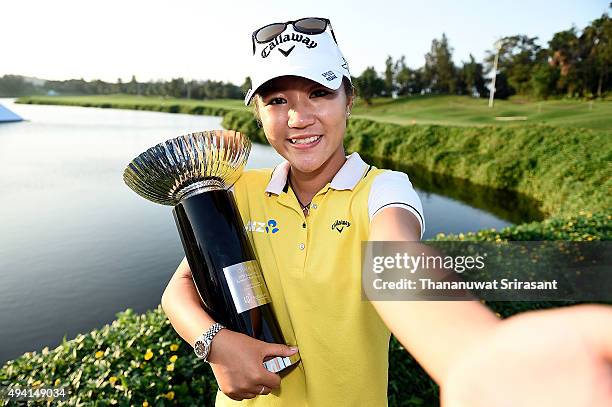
(213, 107)
(140, 358)
(438, 110)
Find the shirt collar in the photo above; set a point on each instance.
(346, 178)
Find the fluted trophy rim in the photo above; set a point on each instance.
(188, 164)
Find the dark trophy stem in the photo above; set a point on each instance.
(213, 237)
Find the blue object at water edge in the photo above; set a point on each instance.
(8, 116)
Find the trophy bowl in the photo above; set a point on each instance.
(193, 173)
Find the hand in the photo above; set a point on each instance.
(237, 362)
(560, 357)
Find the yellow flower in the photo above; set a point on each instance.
(170, 367)
(173, 358)
(112, 380)
(170, 395)
(145, 403)
(57, 382)
(99, 354)
(148, 355)
(161, 351)
(36, 383)
(174, 347)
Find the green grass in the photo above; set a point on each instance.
(95, 100)
(467, 111)
(440, 110)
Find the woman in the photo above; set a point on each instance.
(317, 207)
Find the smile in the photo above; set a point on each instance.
(305, 142)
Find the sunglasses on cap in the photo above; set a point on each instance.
(306, 25)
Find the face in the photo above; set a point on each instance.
(304, 121)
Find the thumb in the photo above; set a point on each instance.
(277, 349)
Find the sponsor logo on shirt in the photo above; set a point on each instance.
(262, 227)
(340, 225)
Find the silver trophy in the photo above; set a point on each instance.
(193, 173)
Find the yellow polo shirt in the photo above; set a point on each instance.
(312, 267)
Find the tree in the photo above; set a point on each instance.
(502, 87)
(472, 78)
(389, 77)
(596, 43)
(369, 85)
(133, 87)
(564, 57)
(15, 85)
(246, 85)
(544, 80)
(176, 88)
(408, 81)
(120, 87)
(518, 55)
(439, 70)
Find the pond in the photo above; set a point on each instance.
(77, 245)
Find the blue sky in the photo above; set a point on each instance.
(109, 39)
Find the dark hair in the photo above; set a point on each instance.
(349, 90)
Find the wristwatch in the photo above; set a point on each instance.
(202, 343)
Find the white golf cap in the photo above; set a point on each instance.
(312, 56)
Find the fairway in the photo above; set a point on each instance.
(468, 111)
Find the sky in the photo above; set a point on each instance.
(160, 40)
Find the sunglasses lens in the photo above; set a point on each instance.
(267, 33)
(311, 25)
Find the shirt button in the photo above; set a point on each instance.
(301, 246)
(314, 206)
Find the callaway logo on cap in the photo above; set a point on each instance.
(305, 47)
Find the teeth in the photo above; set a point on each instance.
(305, 140)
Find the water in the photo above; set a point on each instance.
(77, 246)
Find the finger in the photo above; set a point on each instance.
(248, 395)
(277, 349)
(268, 379)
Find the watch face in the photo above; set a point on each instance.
(201, 349)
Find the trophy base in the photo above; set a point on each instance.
(280, 363)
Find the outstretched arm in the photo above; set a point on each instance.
(560, 357)
(434, 332)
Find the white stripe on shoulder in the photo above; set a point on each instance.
(394, 189)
